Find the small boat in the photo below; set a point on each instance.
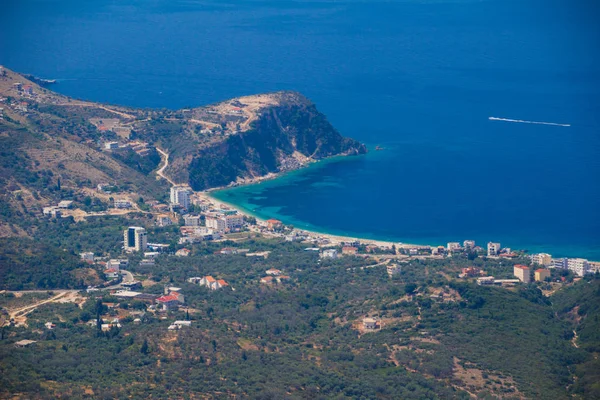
(378, 148)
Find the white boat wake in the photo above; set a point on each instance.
(527, 122)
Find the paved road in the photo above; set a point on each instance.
(127, 277)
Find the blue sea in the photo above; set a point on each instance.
(419, 78)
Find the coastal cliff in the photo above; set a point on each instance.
(284, 136)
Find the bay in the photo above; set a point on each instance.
(419, 78)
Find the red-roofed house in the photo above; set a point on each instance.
(169, 302)
(274, 224)
(266, 279)
(111, 273)
(212, 283)
(541, 274)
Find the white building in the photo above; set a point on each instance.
(544, 259)
(469, 244)
(558, 263)
(135, 239)
(219, 224)
(493, 249)
(117, 263)
(330, 253)
(111, 145)
(122, 203)
(191, 220)
(87, 256)
(234, 221)
(163, 220)
(453, 246)
(180, 195)
(579, 266)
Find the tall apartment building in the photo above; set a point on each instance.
(493, 249)
(180, 195)
(522, 272)
(544, 259)
(135, 239)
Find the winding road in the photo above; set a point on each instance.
(160, 172)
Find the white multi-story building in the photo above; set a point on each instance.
(493, 249)
(163, 220)
(558, 263)
(469, 244)
(87, 256)
(234, 221)
(219, 224)
(579, 266)
(191, 220)
(180, 195)
(544, 259)
(329, 253)
(453, 246)
(135, 239)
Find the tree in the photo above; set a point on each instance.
(144, 348)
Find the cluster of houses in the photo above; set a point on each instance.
(209, 282)
(273, 275)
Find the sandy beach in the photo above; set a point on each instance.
(333, 239)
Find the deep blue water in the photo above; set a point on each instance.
(419, 78)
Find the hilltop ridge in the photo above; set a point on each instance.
(51, 140)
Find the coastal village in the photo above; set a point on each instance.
(140, 280)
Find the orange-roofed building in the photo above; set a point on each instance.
(266, 279)
(522, 272)
(274, 224)
(541, 274)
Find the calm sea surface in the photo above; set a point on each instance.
(419, 78)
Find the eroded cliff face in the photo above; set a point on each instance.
(283, 137)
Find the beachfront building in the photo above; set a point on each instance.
(180, 195)
(234, 221)
(579, 266)
(135, 239)
(560, 263)
(453, 246)
(274, 224)
(522, 272)
(493, 249)
(541, 274)
(544, 259)
(469, 244)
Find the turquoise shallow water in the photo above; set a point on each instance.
(420, 78)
